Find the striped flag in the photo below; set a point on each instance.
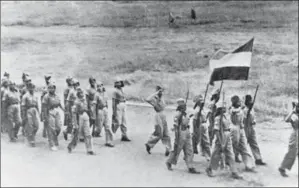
(231, 65)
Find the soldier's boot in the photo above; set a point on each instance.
(236, 176)
(260, 162)
(195, 150)
(247, 169)
(109, 145)
(69, 149)
(282, 172)
(209, 172)
(45, 133)
(193, 171)
(167, 152)
(168, 165)
(91, 153)
(125, 139)
(65, 135)
(148, 148)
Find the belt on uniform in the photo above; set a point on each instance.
(53, 107)
(28, 107)
(183, 128)
(13, 103)
(226, 130)
(81, 113)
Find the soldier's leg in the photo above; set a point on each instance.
(58, 125)
(235, 137)
(123, 124)
(29, 126)
(84, 121)
(108, 132)
(10, 123)
(215, 158)
(72, 145)
(243, 149)
(51, 129)
(174, 154)
(165, 136)
(252, 141)
(195, 137)
(17, 119)
(36, 121)
(157, 134)
(290, 157)
(205, 143)
(116, 121)
(99, 122)
(229, 155)
(188, 152)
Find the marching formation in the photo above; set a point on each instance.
(223, 133)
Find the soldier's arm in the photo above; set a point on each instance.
(114, 102)
(152, 98)
(74, 116)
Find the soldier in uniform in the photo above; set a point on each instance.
(223, 144)
(182, 139)
(30, 107)
(200, 129)
(44, 92)
(70, 101)
(211, 113)
(4, 89)
(23, 89)
(51, 103)
(91, 102)
(249, 125)
(67, 113)
(102, 115)
(81, 123)
(238, 134)
(119, 118)
(290, 157)
(11, 101)
(161, 128)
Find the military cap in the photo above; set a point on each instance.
(52, 84)
(6, 74)
(25, 75)
(198, 98)
(92, 79)
(221, 104)
(30, 86)
(158, 87)
(216, 92)
(180, 101)
(47, 78)
(119, 82)
(75, 81)
(235, 99)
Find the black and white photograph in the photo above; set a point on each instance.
(149, 93)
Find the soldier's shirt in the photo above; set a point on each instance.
(184, 121)
(51, 100)
(30, 100)
(158, 103)
(100, 101)
(66, 93)
(236, 116)
(203, 116)
(294, 120)
(22, 89)
(119, 95)
(11, 97)
(44, 92)
(251, 117)
(225, 123)
(72, 95)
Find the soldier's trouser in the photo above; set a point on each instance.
(240, 145)
(84, 129)
(55, 124)
(103, 121)
(32, 124)
(14, 120)
(121, 119)
(290, 157)
(161, 132)
(201, 135)
(252, 141)
(211, 134)
(68, 122)
(183, 143)
(228, 152)
(4, 120)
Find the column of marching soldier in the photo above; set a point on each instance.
(227, 133)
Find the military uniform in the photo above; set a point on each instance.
(103, 118)
(249, 127)
(183, 142)
(30, 106)
(238, 136)
(81, 124)
(51, 102)
(67, 113)
(211, 117)
(70, 100)
(90, 97)
(12, 102)
(119, 118)
(224, 146)
(161, 128)
(201, 135)
(42, 118)
(290, 156)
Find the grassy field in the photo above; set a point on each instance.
(133, 40)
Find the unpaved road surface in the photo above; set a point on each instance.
(128, 164)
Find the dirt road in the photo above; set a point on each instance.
(128, 164)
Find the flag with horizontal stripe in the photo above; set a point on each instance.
(231, 65)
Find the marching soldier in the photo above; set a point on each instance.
(44, 92)
(238, 134)
(67, 113)
(119, 118)
(102, 115)
(4, 89)
(182, 139)
(11, 101)
(23, 89)
(91, 102)
(70, 101)
(290, 157)
(161, 128)
(223, 144)
(211, 114)
(249, 123)
(200, 129)
(30, 107)
(81, 123)
(51, 103)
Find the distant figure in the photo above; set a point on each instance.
(193, 15)
(171, 19)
